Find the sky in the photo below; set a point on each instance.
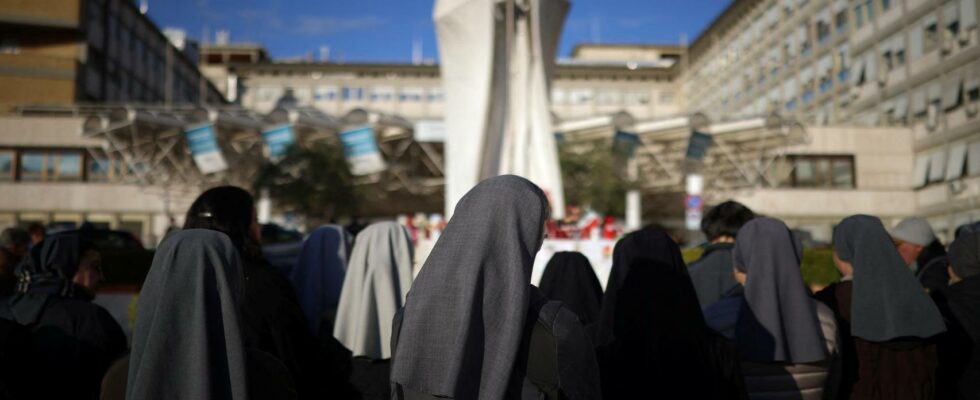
(385, 30)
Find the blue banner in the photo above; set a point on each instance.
(204, 148)
(361, 150)
(278, 139)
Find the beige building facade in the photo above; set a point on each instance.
(913, 64)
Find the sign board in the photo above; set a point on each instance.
(204, 148)
(277, 140)
(697, 145)
(625, 143)
(693, 209)
(361, 150)
(432, 130)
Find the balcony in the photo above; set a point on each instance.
(862, 35)
(890, 17)
(924, 63)
(897, 75)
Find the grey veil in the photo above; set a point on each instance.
(888, 302)
(378, 277)
(187, 342)
(464, 317)
(777, 321)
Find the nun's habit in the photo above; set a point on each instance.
(473, 327)
(653, 337)
(570, 279)
(786, 339)
(273, 322)
(187, 341)
(319, 273)
(889, 352)
(378, 278)
(959, 347)
(76, 340)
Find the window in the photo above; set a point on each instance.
(580, 96)
(930, 33)
(325, 93)
(803, 35)
(636, 98)
(50, 166)
(352, 93)
(435, 95)
(823, 28)
(886, 5)
(840, 16)
(6, 165)
(101, 169)
(410, 94)
(951, 19)
(558, 96)
(863, 13)
(609, 98)
(822, 172)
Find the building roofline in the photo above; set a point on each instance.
(703, 41)
(650, 46)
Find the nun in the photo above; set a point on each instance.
(319, 274)
(787, 341)
(76, 340)
(652, 337)
(959, 348)
(378, 278)
(570, 279)
(887, 322)
(473, 327)
(187, 340)
(272, 319)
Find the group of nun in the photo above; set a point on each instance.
(348, 320)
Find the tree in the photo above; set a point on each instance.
(312, 181)
(594, 175)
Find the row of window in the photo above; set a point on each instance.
(43, 165)
(925, 35)
(947, 164)
(559, 96)
(350, 93)
(814, 171)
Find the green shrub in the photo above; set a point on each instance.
(817, 269)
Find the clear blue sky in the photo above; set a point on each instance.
(383, 30)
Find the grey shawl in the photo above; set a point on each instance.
(378, 277)
(778, 319)
(464, 317)
(888, 302)
(187, 342)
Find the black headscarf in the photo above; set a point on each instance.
(465, 314)
(888, 302)
(51, 266)
(657, 336)
(48, 270)
(187, 342)
(777, 321)
(570, 279)
(964, 297)
(648, 243)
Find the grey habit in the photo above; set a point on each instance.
(465, 315)
(777, 321)
(378, 277)
(187, 343)
(888, 302)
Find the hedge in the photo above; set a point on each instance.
(818, 265)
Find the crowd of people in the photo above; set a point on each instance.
(351, 319)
